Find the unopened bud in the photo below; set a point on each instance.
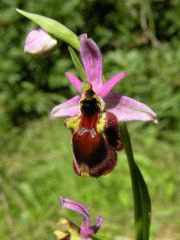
(39, 43)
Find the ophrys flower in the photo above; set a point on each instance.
(95, 112)
(71, 231)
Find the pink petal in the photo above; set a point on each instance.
(69, 108)
(128, 109)
(86, 230)
(77, 207)
(74, 80)
(108, 86)
(99, 221)
(92, 61)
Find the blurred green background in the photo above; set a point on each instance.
(141, 37)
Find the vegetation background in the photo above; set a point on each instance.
(138, 36)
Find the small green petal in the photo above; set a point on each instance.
(53, 27)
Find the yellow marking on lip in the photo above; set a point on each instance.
(85, 174)
(60, 234)
(101, 123)
(73, 123)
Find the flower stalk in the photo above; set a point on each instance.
(142, 203)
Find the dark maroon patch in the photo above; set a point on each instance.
(112, 132)
(95, 153)
(89, 151)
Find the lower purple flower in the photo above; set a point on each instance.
(85, 231)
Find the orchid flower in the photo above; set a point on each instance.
(94, 114)
(85, 231)
(39, 43)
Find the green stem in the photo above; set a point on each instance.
(142, 205)
(134, 180)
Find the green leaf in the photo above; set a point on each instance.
(99, 238)
(145, 203)
(77, 64)
(142, 203)
(53, 27)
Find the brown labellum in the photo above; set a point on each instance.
(94, 151)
